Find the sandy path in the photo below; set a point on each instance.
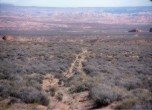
(76, 101)
(77, 63)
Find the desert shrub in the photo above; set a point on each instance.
(52, 91)
(78, 88)
(81, 86)
(7, 68)
(35, 58)
(91, 69)
(36, 77)
(105, 94)
(129, 83)
(5, 89)
(31, 95)
(139, 99)
(143, 106)
(2, 76)
(142, 94)
(34, 80)
(25, 88)
(59, 96)
(126, 104)
(33, 84)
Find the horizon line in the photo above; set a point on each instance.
(74, 6)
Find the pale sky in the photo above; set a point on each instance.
(79, 3)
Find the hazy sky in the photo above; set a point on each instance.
(79, 3)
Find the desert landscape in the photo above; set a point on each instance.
(75, 58)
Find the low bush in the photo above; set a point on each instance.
(78, 88)
(143, 106)
(52, 91)
(5, 89)
(105, 94)
(129, 83)
(31, 95)
(139, 99)
(126, 104)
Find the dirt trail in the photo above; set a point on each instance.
(62, 99)
(77, 63)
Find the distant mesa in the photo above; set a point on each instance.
(150, 30)
(135, 30)
(8, 38)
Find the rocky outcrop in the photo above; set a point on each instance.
(135, 30)
(8, 38)
(150, 30)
